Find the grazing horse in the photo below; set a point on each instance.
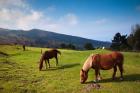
(102, 62)
(48, 55)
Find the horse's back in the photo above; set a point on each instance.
(51, 53)
(107, 61)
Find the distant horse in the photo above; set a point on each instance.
(102, 62)
(48, 55)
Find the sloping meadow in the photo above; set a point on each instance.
(19, 72)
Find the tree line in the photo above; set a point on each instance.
(87, 46)
(130, 42)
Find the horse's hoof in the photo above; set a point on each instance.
(95, 81)
(99, 78)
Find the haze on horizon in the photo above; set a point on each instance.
(93, 19)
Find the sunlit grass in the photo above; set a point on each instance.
(19, 72)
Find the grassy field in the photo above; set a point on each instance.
(19, 72)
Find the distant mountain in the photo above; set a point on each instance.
(41, 38)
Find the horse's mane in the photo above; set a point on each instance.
(88, 63)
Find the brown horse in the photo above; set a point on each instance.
(48, 55)
(102, 62)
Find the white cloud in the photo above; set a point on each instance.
(13, 4)
(29, 21)
(11, 11)
(18, 19)
(17, 14)
(67, 21)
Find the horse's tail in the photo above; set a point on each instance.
(41, 61)
(58, 52)
(121, 60)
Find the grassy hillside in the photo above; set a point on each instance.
(19, 73)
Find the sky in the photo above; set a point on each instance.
(92, 19)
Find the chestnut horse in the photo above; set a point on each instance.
(102, 62)
(48, 55)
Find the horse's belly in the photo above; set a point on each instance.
(106, 65)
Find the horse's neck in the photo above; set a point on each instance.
(88, 64)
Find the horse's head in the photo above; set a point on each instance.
(83, 76)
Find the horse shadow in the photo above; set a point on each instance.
(62, 67)
(129, 77)
(69, 65)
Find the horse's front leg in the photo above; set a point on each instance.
(114, 73)
(99, 76)
(96, 74)
(48, 63)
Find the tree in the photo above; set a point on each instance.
(71, 46)
(67, 46)
(88, 46)
(119, 42)
(134, 38)
(116, 41)
(117, 38)
(124, 44)
(63, 45)
(131, 41)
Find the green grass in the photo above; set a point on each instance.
(19, 72)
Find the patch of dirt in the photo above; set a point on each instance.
(91, 86)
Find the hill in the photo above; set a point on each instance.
(41, 38)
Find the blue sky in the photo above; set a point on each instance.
(93, 19)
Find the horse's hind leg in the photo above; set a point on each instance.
(46, 64)
(121, 71)
(114, 73)
(96, 74)
(56, 60)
